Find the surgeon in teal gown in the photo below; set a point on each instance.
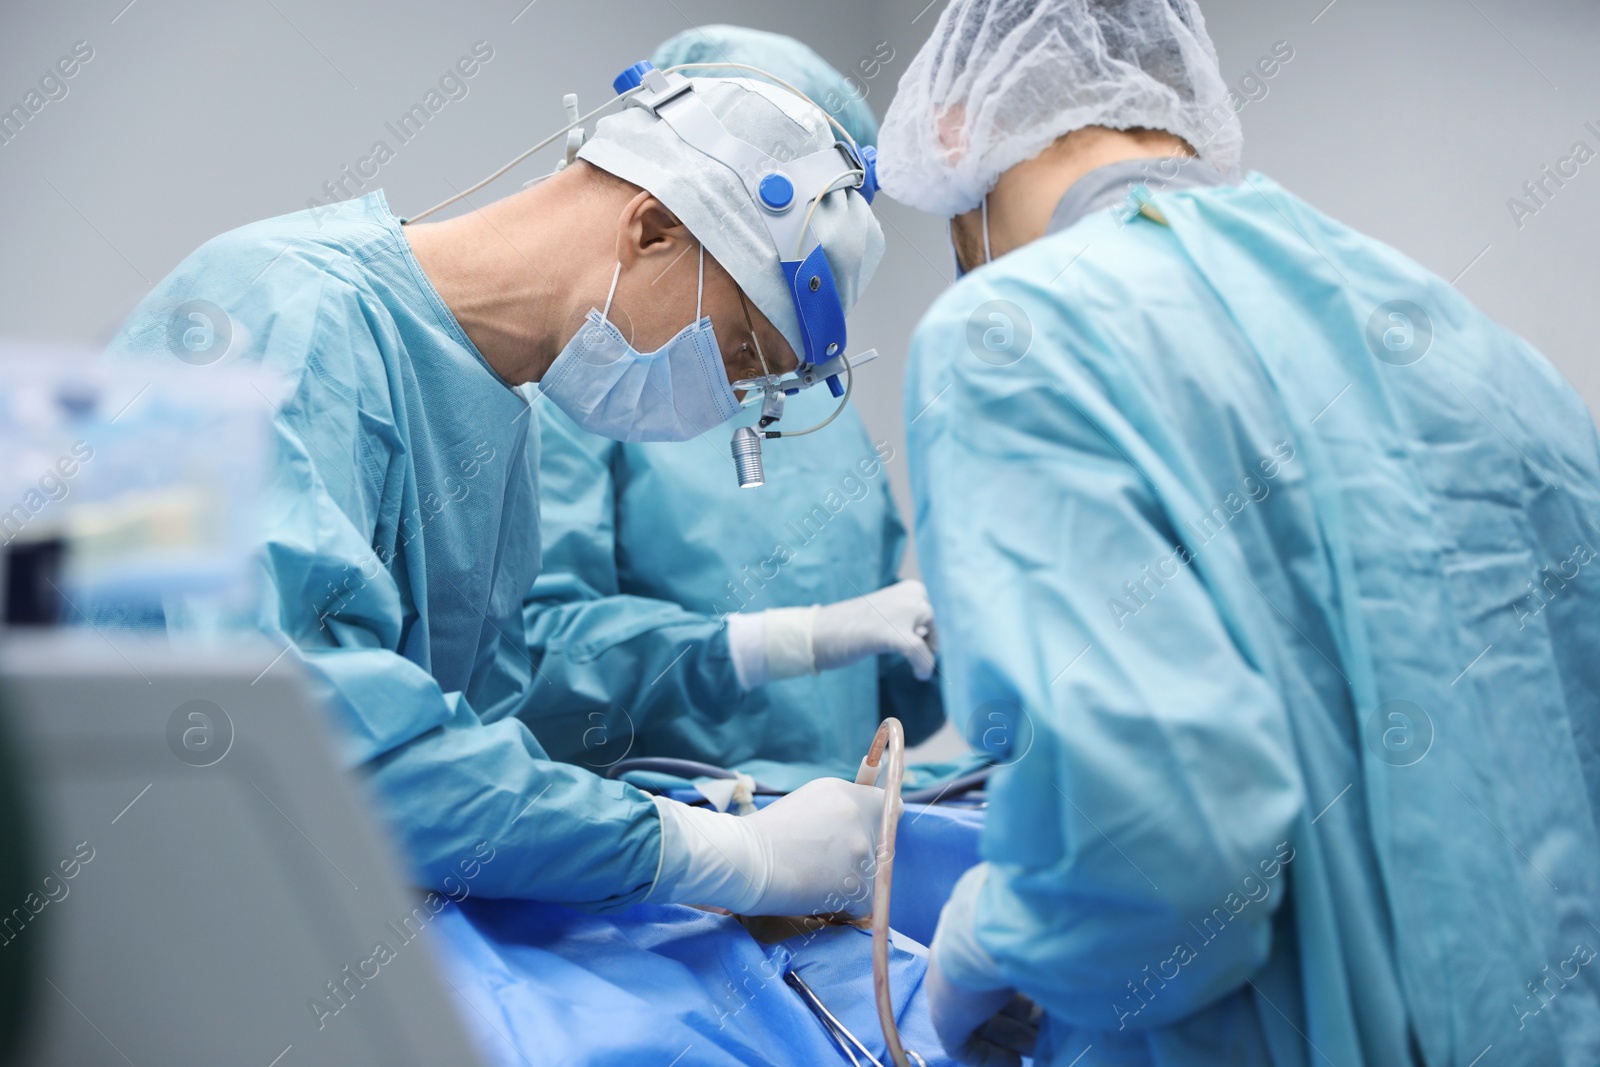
(647, 547)
(400, 514)
(1276, 565)
(407, 635)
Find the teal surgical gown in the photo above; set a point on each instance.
(1267, 564)
(648, 546)
(401, 533)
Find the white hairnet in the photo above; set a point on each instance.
(712, 200)
(1000, 80)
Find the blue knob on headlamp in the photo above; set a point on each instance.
(777, 192)
(632, 77)
(869, 163)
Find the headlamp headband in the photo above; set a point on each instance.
(773, 185)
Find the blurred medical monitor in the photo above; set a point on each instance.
(208, 886)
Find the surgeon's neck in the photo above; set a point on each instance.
(1022, 201)
(509, 270)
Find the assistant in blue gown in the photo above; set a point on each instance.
(401, 531)
(1273, 561)
(648, 546)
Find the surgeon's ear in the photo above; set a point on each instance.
(648, 229)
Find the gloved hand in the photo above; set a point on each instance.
(785, 642)
(980, 1020)
(897, 618)
(811, 852)
(995, 1028)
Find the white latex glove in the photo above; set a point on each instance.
(989, 1029)
(979, 1019)
(897, 618)
(811, 852)
(767, 646)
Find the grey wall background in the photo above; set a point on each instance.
(1414, 121)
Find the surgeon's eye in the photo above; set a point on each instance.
(745, 361)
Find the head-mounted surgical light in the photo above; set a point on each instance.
(786, 193)
(773, 185)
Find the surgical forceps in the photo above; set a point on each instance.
(854, 1051)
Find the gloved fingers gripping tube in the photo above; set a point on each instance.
(887, 755)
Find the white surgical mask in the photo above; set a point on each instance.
(608, 387)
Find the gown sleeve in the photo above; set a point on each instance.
(444, 780)
(609, 664)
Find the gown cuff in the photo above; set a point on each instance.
(747, 647)
(788, 642)
(708, 858)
